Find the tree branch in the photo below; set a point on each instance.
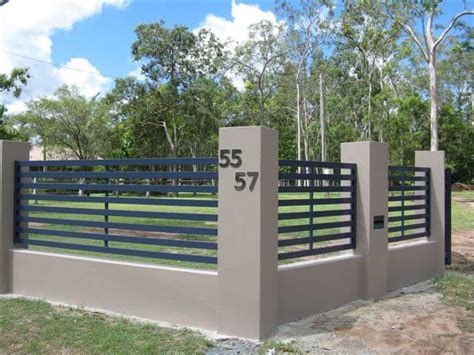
(450, 27)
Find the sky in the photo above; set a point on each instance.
(95, 36)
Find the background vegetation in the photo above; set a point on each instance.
(380, 70)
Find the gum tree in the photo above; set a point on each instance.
(419, 20)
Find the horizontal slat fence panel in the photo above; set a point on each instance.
(160, 209)
(409, 203)
(317, 208)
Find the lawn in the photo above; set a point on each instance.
(462, 215)
(36, 327)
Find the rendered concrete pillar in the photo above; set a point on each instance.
(9, 153)
(372, 201)
(435, 161)
(248, 232)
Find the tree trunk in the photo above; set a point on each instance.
(298, 124)
(322, 122)
(369, 109)
(434, 103)
(321, 118)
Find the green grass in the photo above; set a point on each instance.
(279, 348)
(36, 327)
(457, 289)
(462, 214)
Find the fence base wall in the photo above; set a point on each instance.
(313, 287)
(173, 295)
(411, 263)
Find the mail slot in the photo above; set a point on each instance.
(379, 222)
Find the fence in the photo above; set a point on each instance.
(309, 184)
(95, 224)
(283, 239)
(409, 200)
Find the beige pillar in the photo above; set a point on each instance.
(435, 161)
(248, 231)
(9, 153)
(372, 203)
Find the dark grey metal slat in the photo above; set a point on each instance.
(121, 200)
(126, 226)
(119, 251)
(310, 252)
(121, 238)
(121, 213)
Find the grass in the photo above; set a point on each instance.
(36, 327)
(279, 348)
(462, 214)
(457, 289)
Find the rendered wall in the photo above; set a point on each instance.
(313, 287)
(166, 294)
(411, 263)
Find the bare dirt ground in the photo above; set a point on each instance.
(411, 320)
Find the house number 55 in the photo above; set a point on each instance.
(232, 158)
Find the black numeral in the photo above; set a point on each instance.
(241, 184)
(230, 158)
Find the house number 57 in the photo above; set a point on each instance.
(232, 158)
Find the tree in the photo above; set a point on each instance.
(260, 61)
(68, 122)
(418, 20)
(14, 84)
(308, 23)
(374, 41)
(171, 60)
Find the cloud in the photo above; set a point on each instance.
(236, 30)
(90, 84)
(26, 27)
(137, 74)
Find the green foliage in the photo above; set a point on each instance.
(14, 82)
(408, 129)
(180, 69)
(68, 122)
(457, 140)
(376, 86)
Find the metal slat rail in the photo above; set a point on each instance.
(145, 208)
(409, 203)
(317, 208)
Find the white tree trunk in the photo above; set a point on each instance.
(434, 103)
(321, 118)
(369, 109)
(298, 123)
